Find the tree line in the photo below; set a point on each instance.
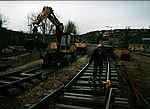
(10, 37)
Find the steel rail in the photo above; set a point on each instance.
(74, 93)
(49, 98)
(139, 98)
(109, 99)
(21, 78)
(130, 82)
(58, 92)
(108, 70)
(67, 86)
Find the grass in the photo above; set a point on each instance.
(139, 71)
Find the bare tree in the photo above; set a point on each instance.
(3, 20)
(46, 27)
(31, 18)
(70, 27)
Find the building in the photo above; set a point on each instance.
(135, 46)
(146, 44)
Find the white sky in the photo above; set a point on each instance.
(87, 15)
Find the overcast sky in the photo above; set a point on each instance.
(87, 15)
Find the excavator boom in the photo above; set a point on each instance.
(47, 12)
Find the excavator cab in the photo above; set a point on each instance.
(64, 56)
(65, 42)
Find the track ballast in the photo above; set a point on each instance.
(82, 93)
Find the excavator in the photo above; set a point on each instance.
(81, 46)
(61, 49)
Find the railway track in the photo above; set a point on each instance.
(6, 60)
(14, 83)
(139, 101)
(82, 93)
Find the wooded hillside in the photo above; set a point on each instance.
(9, 37)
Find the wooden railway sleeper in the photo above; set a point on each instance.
(73, 95)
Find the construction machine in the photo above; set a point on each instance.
(61, 49)
(107, 46)
(81, 46)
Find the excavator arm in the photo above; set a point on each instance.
(47, 12)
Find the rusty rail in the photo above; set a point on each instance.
(139, 100)
(15, 80)
(47, 99)
(75, 77)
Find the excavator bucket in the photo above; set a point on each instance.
(32, 44)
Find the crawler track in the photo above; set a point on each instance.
(82, 93)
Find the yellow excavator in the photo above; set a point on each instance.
(59, 51)
(81, 46)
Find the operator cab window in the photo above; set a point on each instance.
(65, 40)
